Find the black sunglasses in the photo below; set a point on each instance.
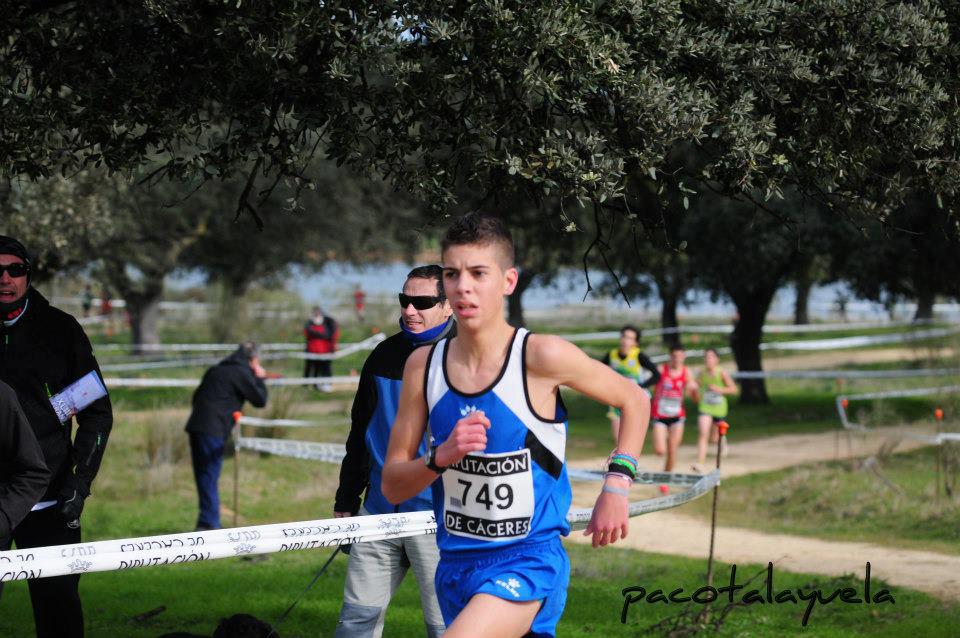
(15, 270)
(419, 302)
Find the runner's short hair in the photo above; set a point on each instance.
(482, 229)
(676, 346)
(634, 329)
(431, 271)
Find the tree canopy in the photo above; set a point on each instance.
(851, 100)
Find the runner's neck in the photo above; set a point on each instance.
(477, 350)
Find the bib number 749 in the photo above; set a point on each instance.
(489, 496)
(502, 495)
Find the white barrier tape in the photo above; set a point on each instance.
(728, 328)
(643, 477)
(192, 347)
(157, 365)
(44, 562)
(147, 382)
(847, 374)
(152, 551)
(257, 422)
(933, 439)
(344, 350)
(306, 450)
(580, 517)
(118, 382)
(860, 341)
(343, 380)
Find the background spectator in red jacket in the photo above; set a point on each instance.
(322, 334)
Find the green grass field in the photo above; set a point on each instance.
(146, 487)
(196, 596)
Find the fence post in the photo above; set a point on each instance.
(938, 416)
(236, 467)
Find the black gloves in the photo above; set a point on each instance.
(72, 496)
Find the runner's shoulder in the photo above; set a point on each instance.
(549, 354)
(417, 361)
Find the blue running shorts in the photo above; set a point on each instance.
(529, 571)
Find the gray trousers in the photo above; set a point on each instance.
(375, 571)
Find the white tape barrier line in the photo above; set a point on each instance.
(257, 422)
(933, 439)
(728, 328)
(802, 345)
(306, 450)
(151, 551)
(860, 341)
(644, 478)
(848, 374)
(227, 347)
(128, 553)
(121, 382)
(157, 365)
(580, 517)
(345, 351)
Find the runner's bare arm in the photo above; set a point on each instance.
(404, 475)
(562, 363)
(693, 388)
(729, 387)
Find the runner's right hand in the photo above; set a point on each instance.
(468, 435)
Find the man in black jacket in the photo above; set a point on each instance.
(222, 391)
(23, 474)
(42, 351)
(376, 568)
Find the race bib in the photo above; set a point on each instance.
(670, 406)
(712, 398)
(489, 496)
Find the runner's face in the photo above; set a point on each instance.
(677, 357)
(475, 282)
(417, 321)
(711, 359)
(11, 288)
(628, 340)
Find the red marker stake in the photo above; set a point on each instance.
(722, 428)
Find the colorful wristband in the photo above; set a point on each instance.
(616, 468)
(609, 489)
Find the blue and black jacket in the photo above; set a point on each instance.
(374, 410)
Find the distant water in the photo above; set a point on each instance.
(337, 280)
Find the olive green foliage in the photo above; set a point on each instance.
(850, 99)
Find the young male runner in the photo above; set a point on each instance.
(490, 398)
(668, 412)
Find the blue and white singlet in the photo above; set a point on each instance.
(516, 490)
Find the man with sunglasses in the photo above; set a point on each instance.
(42, 351)
(376, 569)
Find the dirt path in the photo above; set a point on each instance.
(672, 532)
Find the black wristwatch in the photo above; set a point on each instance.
(430, 460)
